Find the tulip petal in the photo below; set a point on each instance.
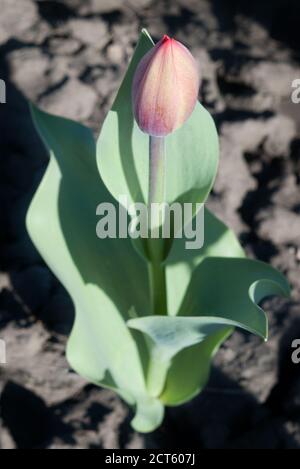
(165, 88)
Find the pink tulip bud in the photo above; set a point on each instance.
(165, 88)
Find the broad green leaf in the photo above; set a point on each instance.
(173, 334)
(231, 288)
(204, 315)
(219, 241)
(106, 278)
(215, 283)
(123, 149)
(218, 281)
(189, 371)
(228, 288)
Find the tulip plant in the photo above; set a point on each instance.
(150, 314)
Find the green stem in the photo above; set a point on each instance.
(157, 176)
(157, 194)
(157, 369)
(157, 277)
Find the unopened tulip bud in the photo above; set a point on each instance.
(165, 88)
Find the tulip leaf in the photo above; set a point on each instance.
(226, 288)
(245, 284)
(216, 280)
(218, 241)
(188, 373)
(173, 334)
(123, 149)
(106, 278)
